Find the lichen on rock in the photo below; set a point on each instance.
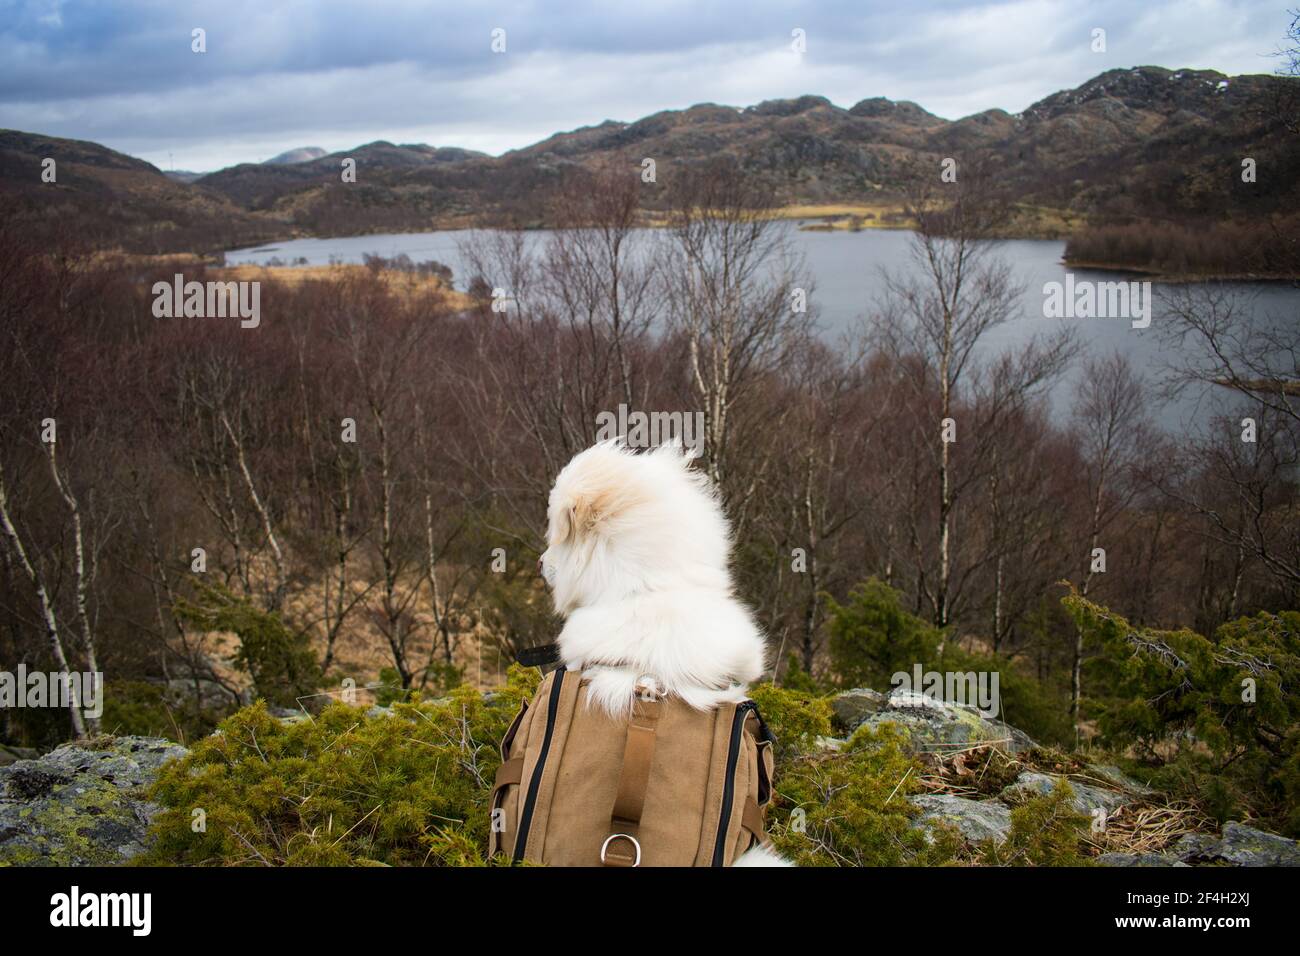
(932, 725)
(81, 804)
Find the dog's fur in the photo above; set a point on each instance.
(636, 557)
(637, 561)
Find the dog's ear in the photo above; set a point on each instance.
(602, 488)
(591, 508)
(565, 522)
(577, 518)
(585, 513)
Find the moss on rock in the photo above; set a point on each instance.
(83, 804)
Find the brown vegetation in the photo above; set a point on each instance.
(1266, 248)
(407, 545)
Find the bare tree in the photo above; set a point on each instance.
(1226, 340)
(1287, 98)
(600, 268)
(1029, 468)
(1114, 434)
(740, 298)
(933, 320)
(220, 416)
(45, 426)
(810, 497)
(53, 633)
(384, 340)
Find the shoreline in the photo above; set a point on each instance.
(821, 218)
(1175, 278)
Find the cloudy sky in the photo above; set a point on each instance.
(336, 74)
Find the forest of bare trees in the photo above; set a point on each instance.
(368, 468)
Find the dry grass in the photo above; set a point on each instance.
(825, 216)
(405, 284)
(1149, 824)
(1044, 222)
(178, 260)
(977, 772)
(361, 650)
(1027, 221)
(850, 217)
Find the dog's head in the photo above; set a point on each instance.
(621, 524)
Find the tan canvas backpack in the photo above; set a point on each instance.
(669, 786)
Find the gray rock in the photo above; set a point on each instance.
(81, 804)
(931, 726)
(1246, 846)
(1086, 797)
(1239, 845)
(851, 708)
(976, 819)
(1138, 859)
(1195, 847)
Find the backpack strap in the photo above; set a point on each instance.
(510, 772)
(752, 820)
(623, 847)
(754, 814)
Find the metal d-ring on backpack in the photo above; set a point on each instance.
(668, 786)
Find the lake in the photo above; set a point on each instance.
(846, 267)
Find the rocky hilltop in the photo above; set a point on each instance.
(85, 803)
(945, 736)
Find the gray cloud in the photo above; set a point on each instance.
(339, 74)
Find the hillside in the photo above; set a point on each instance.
(1146, 143)
(114, 200)
(259, 185)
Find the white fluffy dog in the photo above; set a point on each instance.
(636, 558)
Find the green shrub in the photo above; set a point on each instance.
(850, 807)
(390, 690)
(873, 637)
(407, 788)
(1046, 830)
(1023, 701)
(796, 719)
(410, 787)
(1214, 718)
(444, 677)
(280, 661)
(798, 679)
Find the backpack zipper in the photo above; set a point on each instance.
(729, 785)
(530, 800)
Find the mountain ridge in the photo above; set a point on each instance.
(1142, 142)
